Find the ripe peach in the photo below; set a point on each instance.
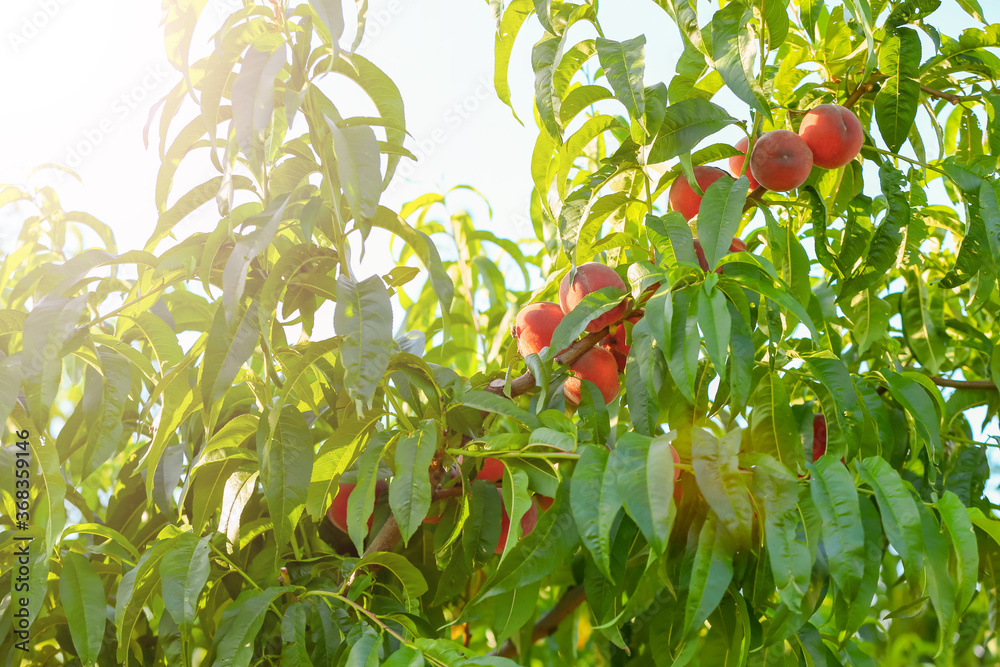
(819, 436)
(683, 198)
(833, 134)
(534, 326)
(492, 470)
(544, 502)
(615, 343)
(736, 162)
(528, 523)
(737, 245)
(337, 514)
(591, 277)
(597, 365)
(781, 160)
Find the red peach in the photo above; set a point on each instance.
(337, 514)
(781, 160)
(492, 470)
(534, 326)
(682, 196)
(736, 162)
(615, 343)
(589, 278)
(833, 134)
(819, 436)
(597, 365)
(544, 502)
(677, 460)
(528, 523)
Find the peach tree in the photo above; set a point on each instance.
(729, 407)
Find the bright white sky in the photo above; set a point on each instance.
(82, 76)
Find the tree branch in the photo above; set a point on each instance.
(525, 383)
(963, 384)
(549, 623)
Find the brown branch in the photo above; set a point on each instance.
(755, 198)
(862, 90)
(951, 97)
(525, 383)
(452, 492)
(549, 623)
(963, 384)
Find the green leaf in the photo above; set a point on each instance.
(897, 101)
(293, 636)
(481, 530)
(900, 518)
(644, 470)
(47, 330)
(286, 459)
(253, 99)
(790, 559)
(974, 255)
(410, 489)
(716, 324)
(720, 480)
(331, 14)
(623, 64)
(682, 355)
(973, 9)
(234, 276)
(843, 409)
(484, 400)
(425, 249)
(888, 237)
(776, 19)
(183, 574)
(940, 587)
(772, 424)
(364, 319)
(596, 500)
(358, 168)
(870, 315)
(227, 349)
(711, 573)
(134, 591)
(684, 125)
(514, 609)
(955, 518)
(575, 322)
(81, 596)
(239, 489)
(719, 217)
(516, 502)
(779, 293)
(105, 434)
(916, 401)
(513, 18)
(414, 584)
(644, 372)
(545, 57)
(735, 47)
(923, 320)
(246, 616)
(361, 502)
(836, 498)
(539, 554)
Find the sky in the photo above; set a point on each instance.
(86, 75)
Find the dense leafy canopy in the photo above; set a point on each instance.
(190, 421)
